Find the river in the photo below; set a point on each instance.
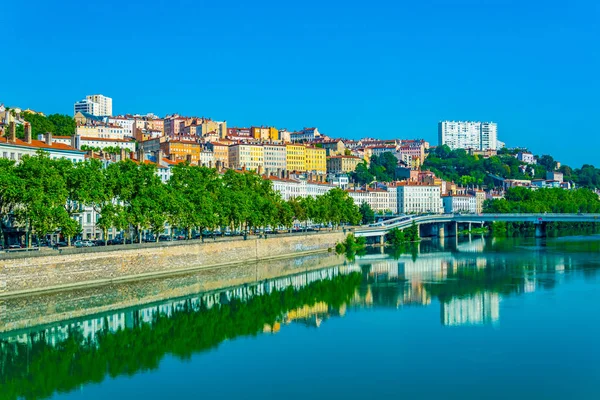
(477, 318)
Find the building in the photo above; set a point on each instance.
(126, 123)
(248, 156)
(12, 148)
(87, 107)
(334, 147)
(104, 103)
(79, 142)
(178, 150)
(273, 134)
(554, 176)
(296, 157)
(220, 153)
(316, 160)
(468, 135)
(526, 157)
(95, 104)
(415, 197)
(275, 158)
(260, 133)
(342, 164)
(305, 135)
(103, 131)
(459, 203)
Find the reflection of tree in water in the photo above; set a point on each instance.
(35, 369)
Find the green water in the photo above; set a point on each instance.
(469, 319)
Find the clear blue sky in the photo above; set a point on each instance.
(354, 69)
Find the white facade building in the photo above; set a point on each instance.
(274, 157)
(104, 104)
(460, 204)
(125, 123)
(86, 106)
(416, 198)
(468, 135)
(17, 148)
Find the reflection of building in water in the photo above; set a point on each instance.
(90, 328)
(480, 308)
(309, 315)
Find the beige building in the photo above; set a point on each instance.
(342, 164)
(248, 156)
(101, 131)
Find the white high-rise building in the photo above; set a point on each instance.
(86, 106)
(105, 104)
(468, 135)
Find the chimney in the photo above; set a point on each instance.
(123, 154)
(27, 132)
(287, 174)
(49, 138)
(132, 154)
(12, 131)
(140, 154)
(259, 170)
(159, 156)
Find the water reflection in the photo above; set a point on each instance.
(467, 279)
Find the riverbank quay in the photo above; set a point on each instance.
(25, 273)
(40, 309)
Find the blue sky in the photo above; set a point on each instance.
(354, 69)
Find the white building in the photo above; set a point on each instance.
(86, 106)
(416, 198)
(468, 135)
(275, 157)
(14, 149)
(526, 157)
(125, 123)
(207, 158)
(459, 203)
(104, 104)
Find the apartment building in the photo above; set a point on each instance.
(275, 157)
(468, 135)
(248, 156)
(296, 157)
(342, 164)
(316, 160)
(415, 197)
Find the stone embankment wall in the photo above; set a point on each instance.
(34, 310)
(58, 272)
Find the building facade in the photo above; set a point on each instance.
(468, 135)
(414, 198)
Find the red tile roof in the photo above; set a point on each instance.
(38, 144)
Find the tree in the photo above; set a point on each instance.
(362, 175)
(367, 213)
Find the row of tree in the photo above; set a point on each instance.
(551, 200)
(44, 196)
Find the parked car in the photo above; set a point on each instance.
(164, 238)
(14, 246)
(99, 242)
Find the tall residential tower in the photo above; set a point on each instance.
(468, 135)
(95, 104)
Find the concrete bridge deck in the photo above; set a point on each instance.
(406, 221)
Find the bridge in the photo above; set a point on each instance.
(441, 225)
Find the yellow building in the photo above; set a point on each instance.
(316, 160)
(342, 164)
(260, 133)
(295, 157)
(181, 150)
(273, 133)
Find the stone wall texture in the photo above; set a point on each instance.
(57, 272)
(32, 310)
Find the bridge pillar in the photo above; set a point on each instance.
(382, 240)
(540, 230)
(441, 231)
(453, 229)
(470, 227)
